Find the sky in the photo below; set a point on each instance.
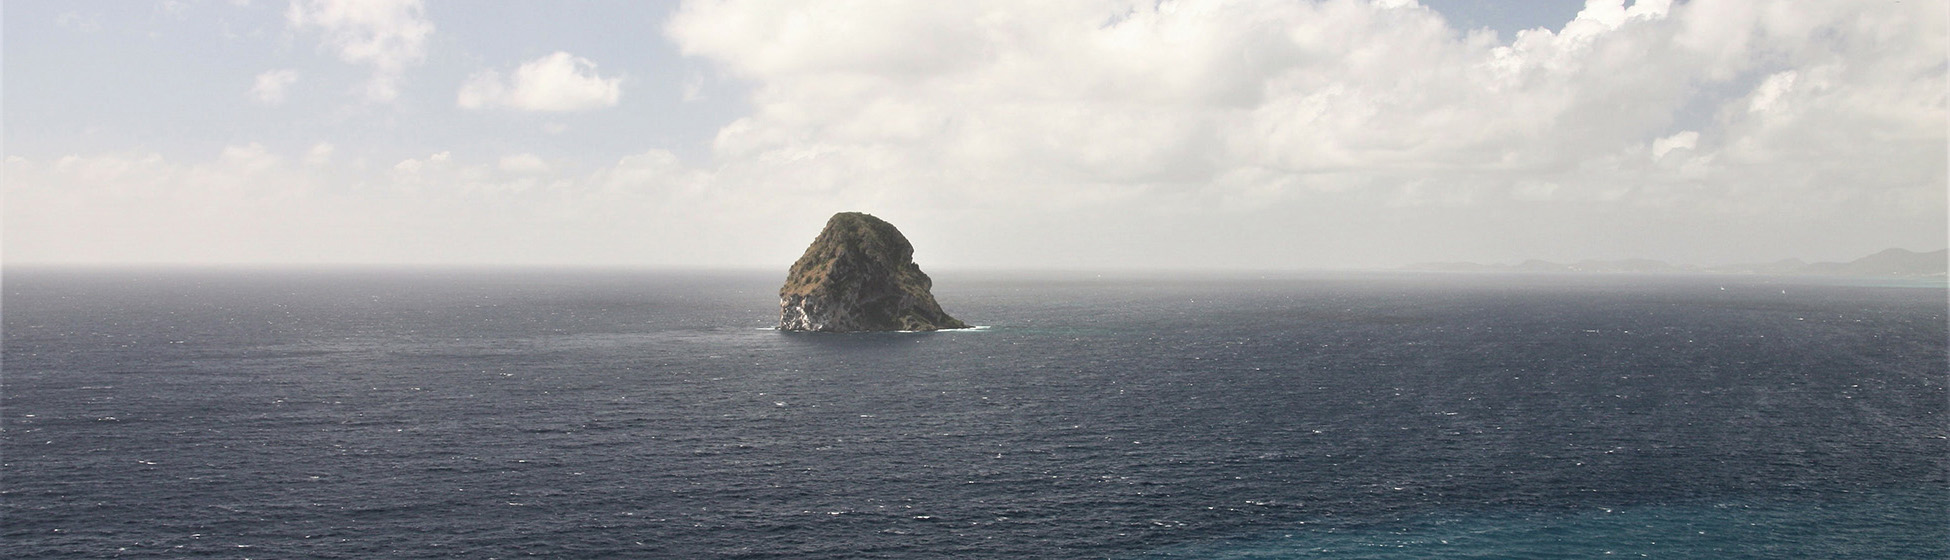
(1115, 134)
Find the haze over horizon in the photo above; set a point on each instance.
(1108, 134)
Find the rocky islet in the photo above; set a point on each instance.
(859, 275)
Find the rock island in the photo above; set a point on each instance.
(859, 275)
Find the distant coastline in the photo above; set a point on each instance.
(1889, 263)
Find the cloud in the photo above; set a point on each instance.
(1239, 134)
(269, 88)
(145, 208)
(1181, 93)
(693, 88)
(320, 154)
(388, 35)
(175, 8)
(523, 163)
(1203, 112)
(1533, 190)
(91, 23)
(1770, 92)
(1683, 140)
(247, 203)
(557, 82)
(411, 168)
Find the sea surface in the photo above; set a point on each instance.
(482, 413)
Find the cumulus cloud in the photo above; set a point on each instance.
(523, 163)
(1770, 92)
(320, 154)
(1787, 113)
(1686, 140)
(1183, 92)
(269, 88)
(411, 167)
(387, 35)
(557, 82)
(1244, 133)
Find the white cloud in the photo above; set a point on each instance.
(145, 208)
(523, 163)
(1770, 91)
(1246, 133)
(557, 82)
(1196, 112)
(320, 154)
(250, 204)
(1682, 140)
(388, 35)
(175, 8)
(1166, 93)
(269, 88)
(91, 23)
(412, 167)
(1533, 190)
(694, 88)
(250, 157)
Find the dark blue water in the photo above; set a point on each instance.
(483, 413)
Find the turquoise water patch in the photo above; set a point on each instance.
(1883, 524)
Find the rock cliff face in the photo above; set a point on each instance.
(859, 275)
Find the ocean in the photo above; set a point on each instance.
(487, 413)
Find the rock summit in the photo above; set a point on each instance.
(859, 275)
